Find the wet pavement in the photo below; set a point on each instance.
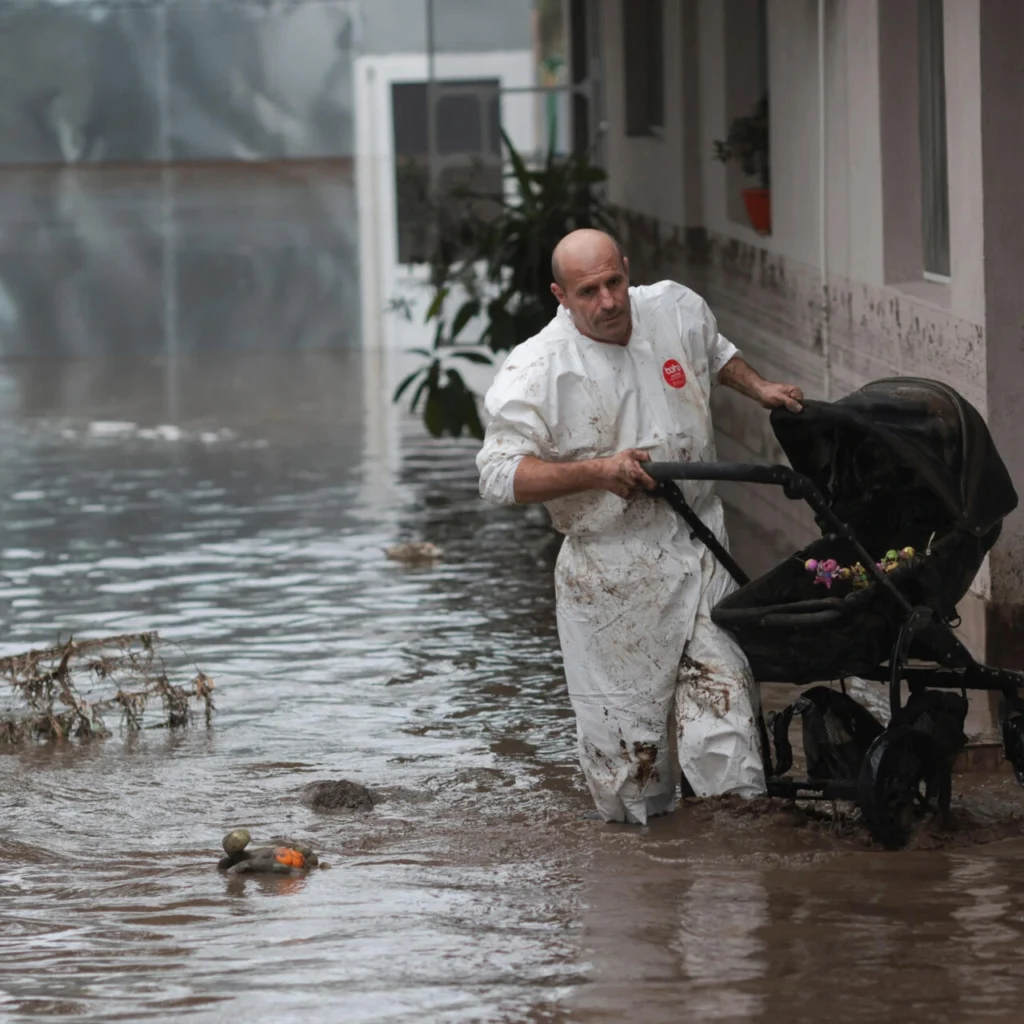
(252, 532)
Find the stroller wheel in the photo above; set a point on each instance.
(901, 776)
(1013, 745)
(1011, 717)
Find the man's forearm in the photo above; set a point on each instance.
(537, 480)
(742, 377)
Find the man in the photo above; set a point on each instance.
(621, 376)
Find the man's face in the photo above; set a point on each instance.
(597, 295)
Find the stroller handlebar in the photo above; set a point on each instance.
(737, 471)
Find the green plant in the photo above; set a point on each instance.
(748, 144)
(516, 246)
(449, 406)
(512, 290)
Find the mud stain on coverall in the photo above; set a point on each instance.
(646, 757)
(599, 755)
(705, 694)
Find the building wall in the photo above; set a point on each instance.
(460, 26)
(882, 318)
(1002, 149)
(646, 173)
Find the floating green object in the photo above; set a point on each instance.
(235, 842)
(288, 858)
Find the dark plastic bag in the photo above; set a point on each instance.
(837, 732)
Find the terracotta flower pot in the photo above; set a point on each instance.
(759, 209)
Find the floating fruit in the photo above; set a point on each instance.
(290, 859)
(236, 841)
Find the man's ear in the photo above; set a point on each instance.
(625, 264)
(558, 294)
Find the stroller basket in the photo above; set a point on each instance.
(792, 630)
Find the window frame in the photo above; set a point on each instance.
(933, 139)
(643, 66)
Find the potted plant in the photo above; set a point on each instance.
(747, 143)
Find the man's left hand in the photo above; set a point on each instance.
(774, 396)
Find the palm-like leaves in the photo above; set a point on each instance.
(515, 250)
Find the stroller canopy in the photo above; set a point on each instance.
(905, 441)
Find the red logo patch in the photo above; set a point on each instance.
(675, 376)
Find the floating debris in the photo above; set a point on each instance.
(65, 691)
(339, 795)
(415, 553)
(169, 432)
(288, 857)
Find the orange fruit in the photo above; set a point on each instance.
(289, 857)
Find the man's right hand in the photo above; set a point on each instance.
(536, 480)
(622, 474)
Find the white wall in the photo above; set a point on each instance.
(767, 292)
(854, 182)
(645, 173)
(963, 113)
(649, 175)
(879, 324)
(854, 158)
(792, 59)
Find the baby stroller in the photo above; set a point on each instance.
(902, 464)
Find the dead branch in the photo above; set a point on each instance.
(64, 691)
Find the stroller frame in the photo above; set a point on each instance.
(900, 760)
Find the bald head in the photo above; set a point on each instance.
(582, 249)
(592, 281)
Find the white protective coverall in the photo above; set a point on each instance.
(633, 590)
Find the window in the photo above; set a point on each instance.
(468, 156)
(468, 119)
(585, 75)
(932, 118)
(643, 43)
(579, 63)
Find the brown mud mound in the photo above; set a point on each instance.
(338, 795)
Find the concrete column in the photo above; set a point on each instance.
(1002, 144)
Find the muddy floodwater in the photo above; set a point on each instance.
(252, 532)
